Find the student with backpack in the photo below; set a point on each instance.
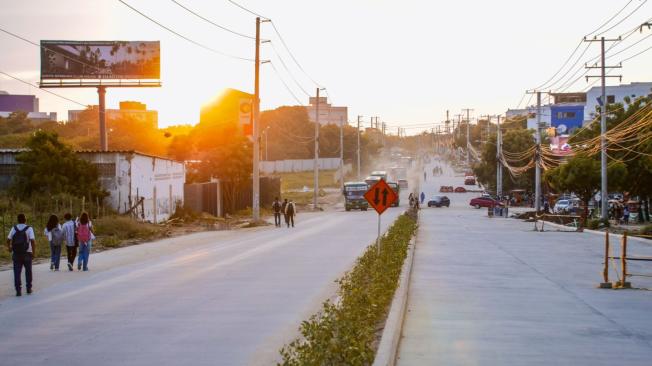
(276, 206)
(54, 233)
(290, 212)
(85, 237)
(70, 237)
(22, 244)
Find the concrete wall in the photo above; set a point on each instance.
(298, 165)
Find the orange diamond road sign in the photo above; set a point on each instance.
(380, 196)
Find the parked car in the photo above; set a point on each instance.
(439, 201)
(469, 180)
(484, 202)
(564, 206)
(446, 189)
(460, 190)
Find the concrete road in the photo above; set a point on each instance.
(220, 298)
(494, 292)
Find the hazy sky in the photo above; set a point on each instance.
(405, 61)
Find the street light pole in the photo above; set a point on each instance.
(316, 163)
(359, 118)
(341, 152)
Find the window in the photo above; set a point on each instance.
(106, 169)
(565, 115)
(611, 99)
(8, 169)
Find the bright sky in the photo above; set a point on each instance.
(405, 61)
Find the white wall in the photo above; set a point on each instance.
(545, 116)
(160, 182)
(633, 91)
(299, 165)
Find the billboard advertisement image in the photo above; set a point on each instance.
(100, 60)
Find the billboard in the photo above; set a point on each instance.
(100, 60)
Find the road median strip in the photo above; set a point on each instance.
(347, 332)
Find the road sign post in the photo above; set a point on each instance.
(380, 196)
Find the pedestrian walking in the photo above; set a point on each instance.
(276, 206)
(625, 215)
(424, 176)
(22, 244)
(283, 210)
(290, 212)
(423, 197)
(85, 237)
(70, 238)
(54, 233)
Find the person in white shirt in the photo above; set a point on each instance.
(69, 228)
(22, 245)
(55, 237)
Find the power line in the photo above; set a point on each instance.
(622, 20)
(288, 70)
(44, 90)
(545, 84)
(280, 37)
(184, 37)
(285, 84)
(212, 22)
(47, 48)
(247, 10)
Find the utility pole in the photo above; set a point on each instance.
(256, 129)
(384, 126)
(499, 165)
(359, 118)
(342, 153)
(468, 134)
(537, 158)
(604, 104)
(316, 163)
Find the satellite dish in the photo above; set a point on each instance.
(561, 129)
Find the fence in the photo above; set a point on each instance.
(298, 165)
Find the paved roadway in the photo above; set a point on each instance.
(494, 292)
(217, 298)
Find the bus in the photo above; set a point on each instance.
(354, 196)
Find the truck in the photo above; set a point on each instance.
(397, 189)
(354, 196)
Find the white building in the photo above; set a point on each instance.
(327, 113)
(532, 116)
(511, 113)
(615, 94)
(131, 178)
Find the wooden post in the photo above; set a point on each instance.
(605, 272)
(97, 205)
(83, 205)
(623, 263)
(73, 215)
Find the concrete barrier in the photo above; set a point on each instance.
(391, 337)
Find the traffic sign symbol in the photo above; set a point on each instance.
(380, 196)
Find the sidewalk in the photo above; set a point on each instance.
(494, 292)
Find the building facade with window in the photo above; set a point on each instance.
(147, 185)
(130, 110)
(615, 94)
(10, 103)
(328, 114)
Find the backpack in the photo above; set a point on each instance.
(20, 241)
(83, 233)
(57, 236)
(277, 206)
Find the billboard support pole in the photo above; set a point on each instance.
(104, 143)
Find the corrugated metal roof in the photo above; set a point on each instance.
(15, 151)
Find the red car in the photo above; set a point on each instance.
(460, 190)
(484, 202)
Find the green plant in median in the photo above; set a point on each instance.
(343, 333)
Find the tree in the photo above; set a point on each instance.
(514, 141)
(581, 175)
(51, 167)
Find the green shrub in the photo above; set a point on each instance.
(647, 230)
(593, 224)
(122, 227)
(344, 333)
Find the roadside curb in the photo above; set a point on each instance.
(601, 233)
(388, 348)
